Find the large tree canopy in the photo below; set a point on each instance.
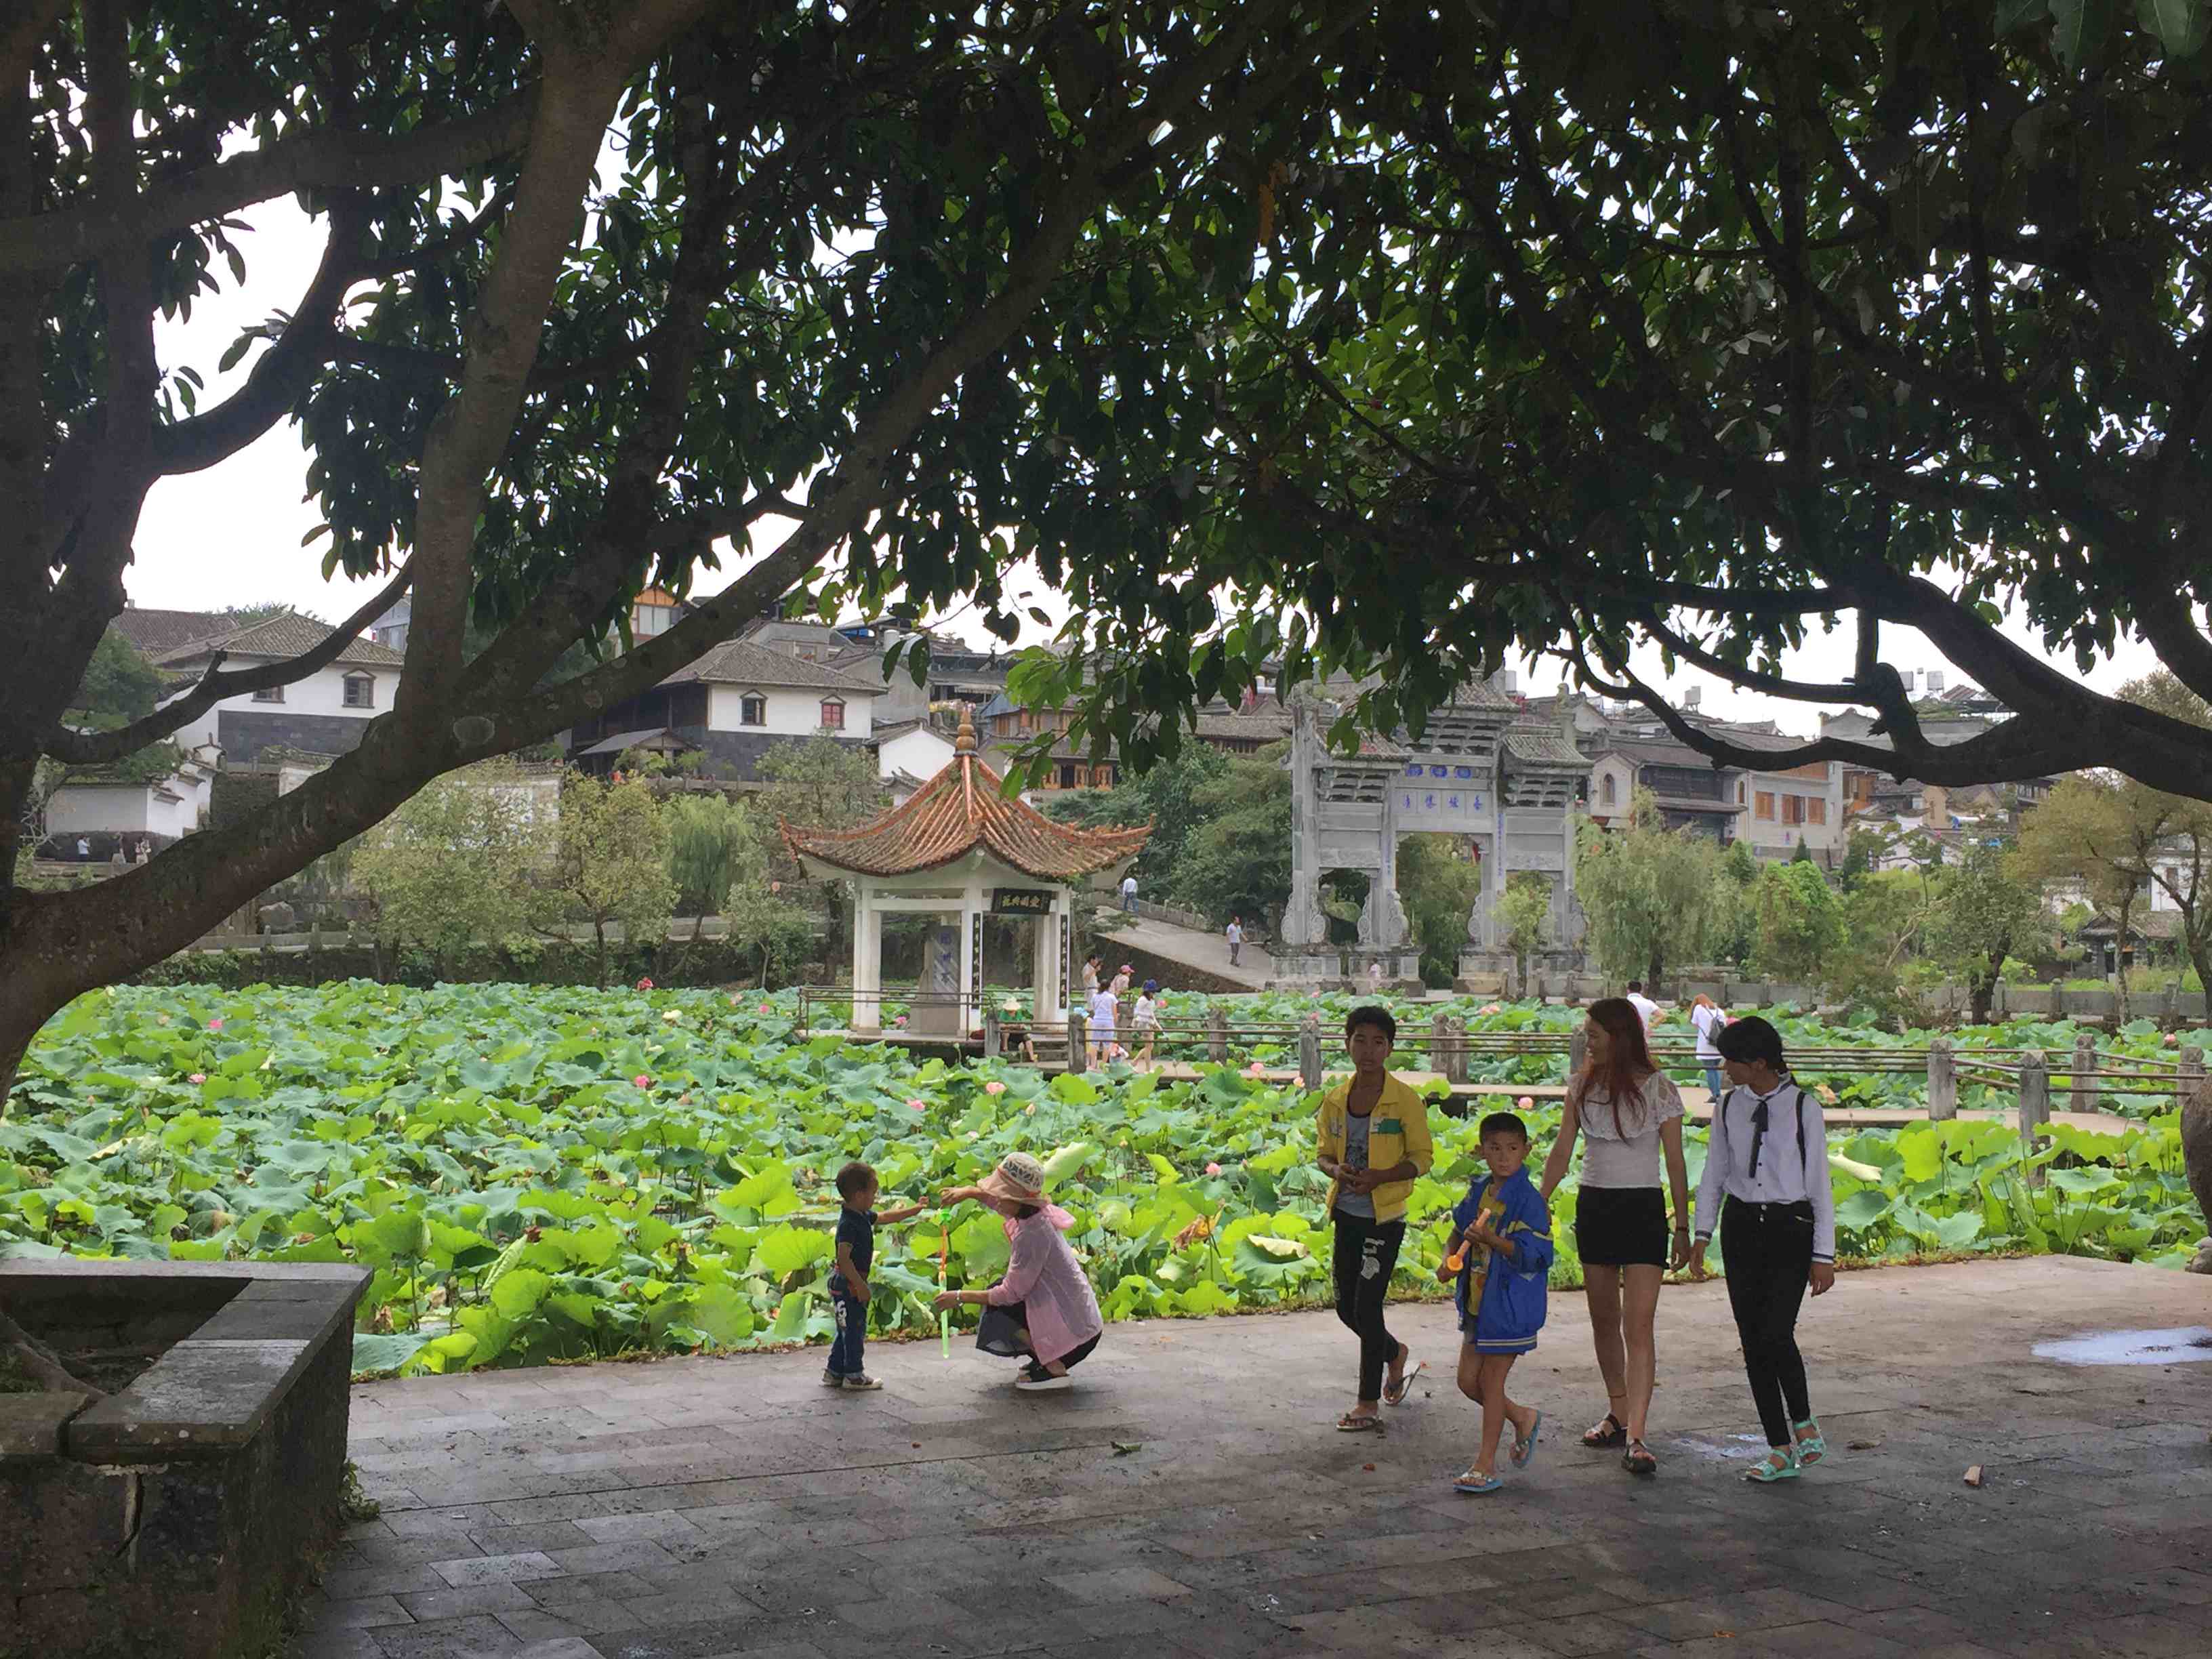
(1711, 327)
(604, 283)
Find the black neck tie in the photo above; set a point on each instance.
(1757, 1134)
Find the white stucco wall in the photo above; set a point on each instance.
(79, 808)
(322, 693)
(921, 751)
(791, 713)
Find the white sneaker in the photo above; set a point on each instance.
(1043, 1385)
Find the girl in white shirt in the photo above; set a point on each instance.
(1769, 1159)
(1631, 1116)
(1706, 1016)
(1146, 1024)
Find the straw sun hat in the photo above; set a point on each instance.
(1019, 1179)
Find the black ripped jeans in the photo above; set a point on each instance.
(1366, 1256)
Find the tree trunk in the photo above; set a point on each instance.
(2120, 954)
(1652, 972)
(600, 960)
(2197, 1158)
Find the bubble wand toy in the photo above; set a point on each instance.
(944, 1314)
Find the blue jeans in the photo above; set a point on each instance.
(1129, 902)
(1713, 1084)
(848, 1348)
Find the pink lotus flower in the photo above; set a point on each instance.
(160, 1019)
(994, 1087)
(642, 1081)
(1255, 1069)
(765, 1008)
(1029, 1111)
(1300, 1080)
(196, 1077)
(2172, 1039)
(1213, 1168)
(1526, 1104)
(1489, 1008)
(898, 1019)
(919, 1105)
(645, 984)
(214, 1025)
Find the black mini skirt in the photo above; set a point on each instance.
(1621, 1226)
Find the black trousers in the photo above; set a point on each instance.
(1366, 1256)
(1768, 1252)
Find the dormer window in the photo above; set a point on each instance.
(752, 709)
(361, 691)
(833, 714)
(646, 620)
(274, 694)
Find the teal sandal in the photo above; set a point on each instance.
(1778, 1464)
(1810, 1448)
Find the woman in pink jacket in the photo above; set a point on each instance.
(1045, 1302)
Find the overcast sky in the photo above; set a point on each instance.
(231, 535)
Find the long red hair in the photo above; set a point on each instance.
(1627, 1060)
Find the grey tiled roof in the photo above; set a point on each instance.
(1541, 745)
(157, 633)
(741, 662)
(288, 635)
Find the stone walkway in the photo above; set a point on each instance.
(1190, 1497)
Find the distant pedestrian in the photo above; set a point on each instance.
(849, 1281)
(1146, 1023)
(1375, 977)
(1105, 1016)
(1646, 1010)
(1090, 966)
(1234, 932)
(1129, 894)
(1500, 1255)
(1710, 1020)
(1373, 1135)
(1766, 1169)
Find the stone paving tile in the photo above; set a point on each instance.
(360, 1613)
(694, 1509)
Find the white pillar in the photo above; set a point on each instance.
(867, 959)
(971, 951)
(1044, 962)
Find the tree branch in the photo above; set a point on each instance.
(74, 748)
(330, 161)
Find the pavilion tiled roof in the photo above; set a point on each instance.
(959, 812)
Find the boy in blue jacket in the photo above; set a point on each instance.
(1500, 1252)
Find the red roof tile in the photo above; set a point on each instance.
(957, 811)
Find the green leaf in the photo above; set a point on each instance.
(790, 1324)
(394, 1235)
(376, 1355)
(2179, 25)
(2013, 14)
(2071, 23)
(1863, 1209)
(519, 1292)
(784, 1250)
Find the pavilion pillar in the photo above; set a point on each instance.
(867, 959)
(1045, 962)
(971, 960)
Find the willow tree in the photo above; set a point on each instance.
(602, 286)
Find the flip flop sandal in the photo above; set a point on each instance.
(1397, 1396)
(1602, 1437)
(1524, 1446)
(1472, 1482)
(1638, 1459)
(1810, 1448)
(1350, 1424)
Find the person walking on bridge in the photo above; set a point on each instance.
(1234, 932)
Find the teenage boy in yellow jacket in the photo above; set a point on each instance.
(1374, 1142)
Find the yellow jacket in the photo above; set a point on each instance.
(1398, 1131)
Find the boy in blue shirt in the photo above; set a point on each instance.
(848, 1281)
(1500, 1252)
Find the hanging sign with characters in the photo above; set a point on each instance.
(1021, 901)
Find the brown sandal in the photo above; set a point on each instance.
(1602, 1437)
(1638, 1459)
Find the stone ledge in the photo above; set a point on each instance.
(31, 1424)
(211, 1392)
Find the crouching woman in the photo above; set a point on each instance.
(1043, 1310)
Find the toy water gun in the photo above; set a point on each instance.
(944, 1314)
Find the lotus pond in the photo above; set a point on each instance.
(556, 1174)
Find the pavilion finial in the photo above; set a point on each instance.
(964, 742)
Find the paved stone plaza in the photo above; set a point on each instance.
(734, 1506)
